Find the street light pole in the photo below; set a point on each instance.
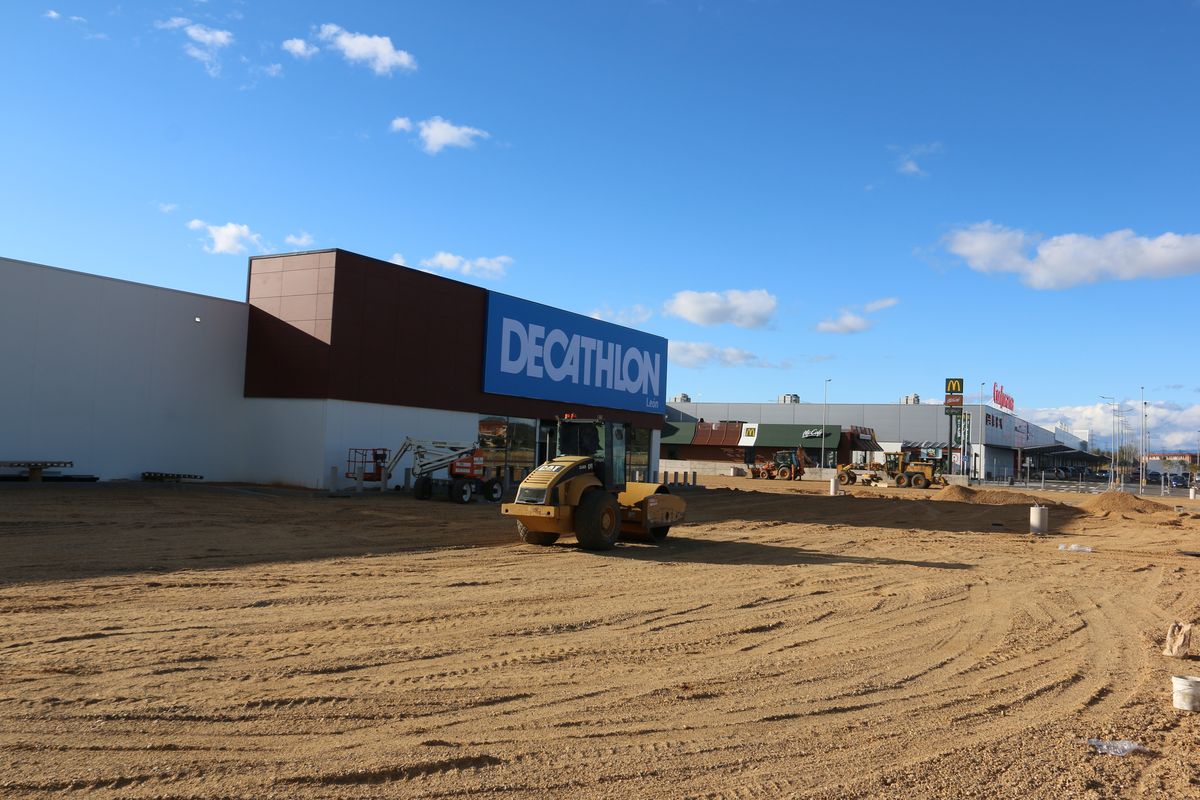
(1112, 442)
(824, 414)
(982, 471)
(1142, 448)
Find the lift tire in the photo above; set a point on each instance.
(784, 474)
(597, 520)
(660, 533)
(493, 492)
(535, 537)
(460, 491)
(844, 478)
(423, 488)
(853, 478)
(902, 480)
(919, 481)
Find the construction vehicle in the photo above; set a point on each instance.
(919, 474)
(582, 490)
(463, 462)
(867, 475)
(785, 466)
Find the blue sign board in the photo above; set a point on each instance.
(548, 354)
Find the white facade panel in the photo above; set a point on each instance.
(282, 442)
(119, 377)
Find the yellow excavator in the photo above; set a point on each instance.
(582, 490)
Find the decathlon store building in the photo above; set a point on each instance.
(331, 350)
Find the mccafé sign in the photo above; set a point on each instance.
(1000, 398)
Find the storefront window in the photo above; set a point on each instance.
(507, 442)
(637, 453)
(493, 441)
(522, 442)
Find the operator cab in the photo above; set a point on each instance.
(603, 442)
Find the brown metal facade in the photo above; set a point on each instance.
(397, 336)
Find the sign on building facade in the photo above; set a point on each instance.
(545, 353)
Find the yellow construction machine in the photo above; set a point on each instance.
(582, 490)
(917, 474)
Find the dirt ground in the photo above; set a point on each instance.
(201, 641)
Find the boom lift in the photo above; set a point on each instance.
(582, 490)
(463, 461)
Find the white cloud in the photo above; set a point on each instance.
(906, 159)
(376, 52)
(1169, 426)
(401, 124)
(167, 208)
(437, 133)
(1067, 260)
(397, 258)
(750, 308)
(205, 45)
(212, 64)
(52, 14)
(633, 316)
(78, 19)
(880, 304)
(300, 48)
(846, 322)
(209, 37)
(493, 268)
(304, 239)
(698, 355)
(273, 70)
(230, 238)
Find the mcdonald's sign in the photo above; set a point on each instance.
(954, 385)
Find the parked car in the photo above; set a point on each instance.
(1154, 477)
(1179, 481)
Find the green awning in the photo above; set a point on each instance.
(678, 432)
(794, 436)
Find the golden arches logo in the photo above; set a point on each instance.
(954, 385)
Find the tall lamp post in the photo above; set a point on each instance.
(1141, 446)
(1112, 442)
(982, 471)
(824, 414)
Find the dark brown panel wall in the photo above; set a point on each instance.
(399, 337)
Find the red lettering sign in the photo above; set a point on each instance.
(1001, 399)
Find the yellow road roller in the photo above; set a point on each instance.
(582, 490)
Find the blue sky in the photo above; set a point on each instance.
(879, 193)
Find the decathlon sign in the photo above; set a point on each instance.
(544, 353)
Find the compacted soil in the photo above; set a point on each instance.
(209, 641)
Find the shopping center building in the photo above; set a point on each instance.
(701, 436)
(330, 351)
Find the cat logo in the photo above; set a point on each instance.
(954, 385)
